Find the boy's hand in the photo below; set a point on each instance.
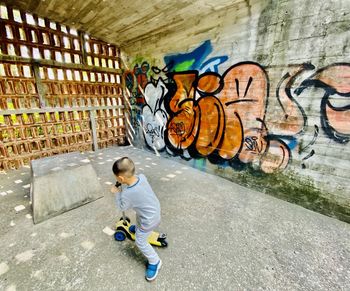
(115, 189)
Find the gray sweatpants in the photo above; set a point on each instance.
(145, 248)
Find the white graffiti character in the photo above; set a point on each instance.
(154, 117)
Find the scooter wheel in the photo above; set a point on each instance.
(132, 228)
(119, 235)
(164, 243)
(162, 235)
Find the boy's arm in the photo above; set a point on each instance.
(123, 202)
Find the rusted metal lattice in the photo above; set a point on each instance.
(60, 90)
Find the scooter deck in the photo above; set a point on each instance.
(152, 239)
(155, 238)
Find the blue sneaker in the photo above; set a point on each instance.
(152, 271)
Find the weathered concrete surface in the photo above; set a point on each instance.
(296, 38)
(156, 18)
(221, 237)
(61, 183)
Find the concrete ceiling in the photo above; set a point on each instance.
(124, 22)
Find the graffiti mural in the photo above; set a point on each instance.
(136, 81)
(222, 117)
(155, 89)
(193, 111)
(140, 73)
(154, 116)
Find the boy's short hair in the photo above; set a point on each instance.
(124, 166)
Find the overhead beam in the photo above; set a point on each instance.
(52, 63)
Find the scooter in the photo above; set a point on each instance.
(124, 229)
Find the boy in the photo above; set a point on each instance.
(139, 196)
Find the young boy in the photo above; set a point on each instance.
(139, 196)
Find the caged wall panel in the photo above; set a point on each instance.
(53, 81)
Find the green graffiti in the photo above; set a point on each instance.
(184, 66)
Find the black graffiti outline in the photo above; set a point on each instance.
(311, 81)
(314, 138)
(167, 68)
(287, 90)
(251, 144)
(153, 131)
(284, 148)
(205, 93)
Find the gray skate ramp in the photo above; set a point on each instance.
(61, 183)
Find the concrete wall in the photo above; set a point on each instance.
(257, 92)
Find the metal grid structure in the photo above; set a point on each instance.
(60, 90)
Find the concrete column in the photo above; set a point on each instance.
(92, 115)
(39, 85)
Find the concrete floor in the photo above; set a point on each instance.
(221, 237)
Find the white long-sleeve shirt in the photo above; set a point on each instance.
(143, 200)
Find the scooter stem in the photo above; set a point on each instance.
(124, 219)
